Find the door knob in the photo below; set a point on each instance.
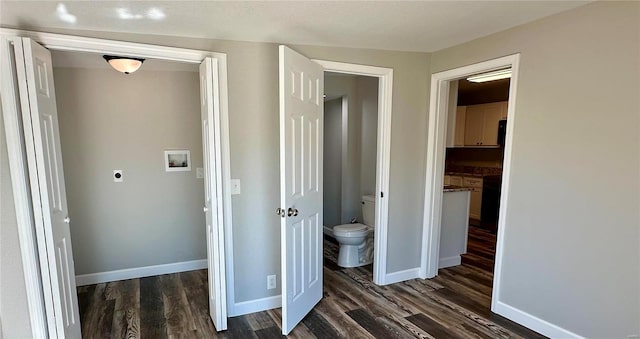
(205, 209)
(292, 212)
(67, 220)
(280, 212)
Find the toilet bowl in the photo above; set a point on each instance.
(356, 240)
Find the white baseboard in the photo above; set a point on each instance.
(395, 277)
(139, 272)
(257, 305)
(525, 319)
(449, 261)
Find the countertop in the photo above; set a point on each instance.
(453, 188)
(462, 174)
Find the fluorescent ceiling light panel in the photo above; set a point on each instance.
(491, 76)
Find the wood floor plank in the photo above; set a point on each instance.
(432, 327)
(176, 307)
(319, 326)
(196, 291)
(346, 326)
(455, 304)
(152, 321)
(272, 332)
(370, 324)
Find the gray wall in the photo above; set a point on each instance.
(14, 311)
(571, 238)
(332, 167)
(368, 94)
(347, 86)
(254, 140)
(109, 121)
(358, 174)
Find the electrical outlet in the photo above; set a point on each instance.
(271, 282)
(235, 186)
(117, 176)
(199, 173)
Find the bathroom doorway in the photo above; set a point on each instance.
(350, 149)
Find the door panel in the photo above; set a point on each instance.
(214, 230)
(46, 158)
(301, 130)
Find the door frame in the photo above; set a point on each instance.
(26, 231)
(383, 162)
(436, 144)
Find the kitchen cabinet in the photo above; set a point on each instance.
(481, 123)
(454, 228)
(475, 203)
(458, 134)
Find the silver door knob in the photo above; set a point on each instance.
(205, 209)
(280, 212)
(292, 212)
(67, 220)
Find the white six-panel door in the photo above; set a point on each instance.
(37, 78)
(301, 132)
(209, 108)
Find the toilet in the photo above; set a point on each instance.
(356, 240)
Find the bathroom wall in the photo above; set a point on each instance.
(109, 121)
(332, 198)
(368, 94)
(359, 161)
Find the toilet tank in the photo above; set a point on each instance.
(369, 210)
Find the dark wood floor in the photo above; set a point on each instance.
(453, 305)
(481, 249)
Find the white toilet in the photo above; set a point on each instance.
(356, 240)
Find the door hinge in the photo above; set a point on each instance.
(381, 194)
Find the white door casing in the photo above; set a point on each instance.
(44, 155)
(213, 207)
(301, 132)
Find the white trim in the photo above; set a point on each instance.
(541, 326)
(18, 172)
(436, 145)
(140, 272)
(449, 261)
(400, 276)
(93, 45)
(256, 305)
(383, 162)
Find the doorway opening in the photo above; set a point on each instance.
(37, 169)
(350, 149)
(469, 152)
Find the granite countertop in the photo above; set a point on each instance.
(462, 174)
(453, 188)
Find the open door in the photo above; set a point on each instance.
(210, 111)
(301, 132)
(35, 80)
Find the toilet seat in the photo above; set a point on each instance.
(348, 230)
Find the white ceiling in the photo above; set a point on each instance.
(423, 26)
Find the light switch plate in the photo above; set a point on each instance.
(199, 173)
(117, 176)
(235, 186)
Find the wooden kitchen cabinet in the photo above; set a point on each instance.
(481, 123)
(475, 203)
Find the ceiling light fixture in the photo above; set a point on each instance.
(124, 65)
(491, 76)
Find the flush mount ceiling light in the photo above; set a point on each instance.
(491, 76)
(124, 65)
